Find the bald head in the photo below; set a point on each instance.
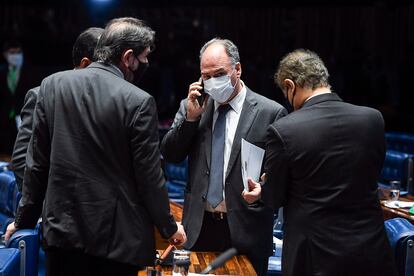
(229, 47)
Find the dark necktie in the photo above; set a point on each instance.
(215, 186)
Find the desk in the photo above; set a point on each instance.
(390, 213)
(238, 265)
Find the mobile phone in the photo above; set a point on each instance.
(201, 98)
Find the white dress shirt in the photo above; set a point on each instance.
(232, 120)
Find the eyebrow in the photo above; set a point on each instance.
(219, 70)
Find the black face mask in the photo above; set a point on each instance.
(142, 67)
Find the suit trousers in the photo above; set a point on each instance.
(215, 236)
(71, 262)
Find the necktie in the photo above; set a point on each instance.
(12, 79)
(215, 186)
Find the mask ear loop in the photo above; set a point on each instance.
(293, 97)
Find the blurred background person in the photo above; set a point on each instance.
(16, 78)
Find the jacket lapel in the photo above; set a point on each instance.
(247, 116)
(205, 124)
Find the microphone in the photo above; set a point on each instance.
(220, 260)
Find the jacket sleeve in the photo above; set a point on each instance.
(281, 113)
(37, 169)
(274, 189)
(23, 136)
(176, 144)
(147, 166)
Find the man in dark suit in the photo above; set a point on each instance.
(15, 80)
(322, 165)
(94, 160)
(209, 133)
(82, 56)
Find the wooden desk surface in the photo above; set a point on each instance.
(238, 265)
(390, 213)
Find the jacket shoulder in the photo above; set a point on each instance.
(265, 102)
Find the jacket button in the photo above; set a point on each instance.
(204, 198)
(207, 172)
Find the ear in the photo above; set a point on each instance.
(126, 57)
(289, 85)
(84, 63)
(238, 69)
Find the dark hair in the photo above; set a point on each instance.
(11, 43)
(304, 67)
(121, 34)
(85, 45)
(229, 46)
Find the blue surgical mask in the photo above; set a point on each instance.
(15, 60)
(220, 89)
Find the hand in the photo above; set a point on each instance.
(255, 191)
(194, 110)
(11, 228)
(179, 238)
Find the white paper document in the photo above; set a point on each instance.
(251, 162)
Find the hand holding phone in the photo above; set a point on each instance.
(196, 101)
(201, 98)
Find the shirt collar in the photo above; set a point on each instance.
(237, 102)
(317, 94)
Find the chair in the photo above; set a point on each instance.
(278, 225)
(275, 262)
(27, 241)
(4, 166)
(398, 166)
(402, 142)
(274, 267)
(400, 233)
(176, 175)
(9, 262)
(9, 197)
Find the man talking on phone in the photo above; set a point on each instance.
(215, 215)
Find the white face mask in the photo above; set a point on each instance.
(219, 89)
(15, 59)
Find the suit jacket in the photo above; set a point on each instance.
(23, 136)
(250, 225)
(94, 159)
(323, 162)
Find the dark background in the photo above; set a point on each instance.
(368, 46)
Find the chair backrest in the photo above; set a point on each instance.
(400, 233)
(9, 262)
(27, 241)
(177, 172)
(4, 166)
(398, 166)
(8, 194)
(177, 175)
(398, 141)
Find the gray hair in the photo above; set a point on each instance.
(304, 67)
(229, 46)
(121, 34)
